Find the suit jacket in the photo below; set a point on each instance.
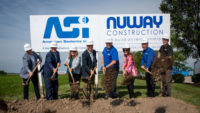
(28, 65)
(87, 63)
(76, 64)
(50, 64)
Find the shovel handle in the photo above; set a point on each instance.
(54, 73)
(148, 72)
(103, 71)
(70, 72)
(27, 82)
(92, 74)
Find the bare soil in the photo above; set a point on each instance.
(138, 105)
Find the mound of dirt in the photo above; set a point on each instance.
(159, 67)
(138, 105)
(127, 80)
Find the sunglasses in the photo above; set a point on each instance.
(126, 49)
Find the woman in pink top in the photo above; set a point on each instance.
(129, 68)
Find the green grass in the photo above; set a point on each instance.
(11, 88)
(187, 93)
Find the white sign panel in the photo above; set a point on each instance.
(68, 30)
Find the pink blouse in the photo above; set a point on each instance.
(129, 65)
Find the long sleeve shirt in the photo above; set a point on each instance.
(129, 65)
(148, 57)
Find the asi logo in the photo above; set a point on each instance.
(68, 21)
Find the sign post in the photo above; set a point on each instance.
(96, 76)
(40, 80)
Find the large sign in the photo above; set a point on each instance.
(68, 30)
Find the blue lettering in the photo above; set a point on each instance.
(134, 22)
(54, 22)
(108, 22)
(147, 21)
(157, 23)
(124, 22)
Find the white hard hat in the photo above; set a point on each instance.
(144, 40)
(165, 36)
(27, 47)
(89, 42)
(126, 46)
(108, 40)
(54, 44)
(73, 48)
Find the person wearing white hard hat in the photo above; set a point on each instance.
(148, 58)
(110, 63)
(129, 69)
(52, 62)
(166, 52)
(30, 61)
(89, 64)
(74, 63)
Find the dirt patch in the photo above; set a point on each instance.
(138, 105)
(127, 80)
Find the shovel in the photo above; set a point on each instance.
(70, 73)
(27, 82)
(52, 77)
(160, 82)
(148, 71)
(91, 75)
(74, 85)
(127, 79)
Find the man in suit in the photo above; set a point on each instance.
(89, 62)
(29, 62)
(52, 61)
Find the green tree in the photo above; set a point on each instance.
(185, 25)
(179, 60)
(137, 57)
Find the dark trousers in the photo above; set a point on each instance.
(51, 89)
(77, 77)
(130, 88)
(166, 87)
(34, 80)
(150, 85)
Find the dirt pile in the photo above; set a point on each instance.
(107, 81)
(127, 80)
(159, 67)
(138, 105)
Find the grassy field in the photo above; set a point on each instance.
(11, 89)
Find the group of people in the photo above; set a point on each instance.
(83, 68)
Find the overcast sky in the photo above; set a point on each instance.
(15, 25)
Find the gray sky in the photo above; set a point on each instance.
(15, 26)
